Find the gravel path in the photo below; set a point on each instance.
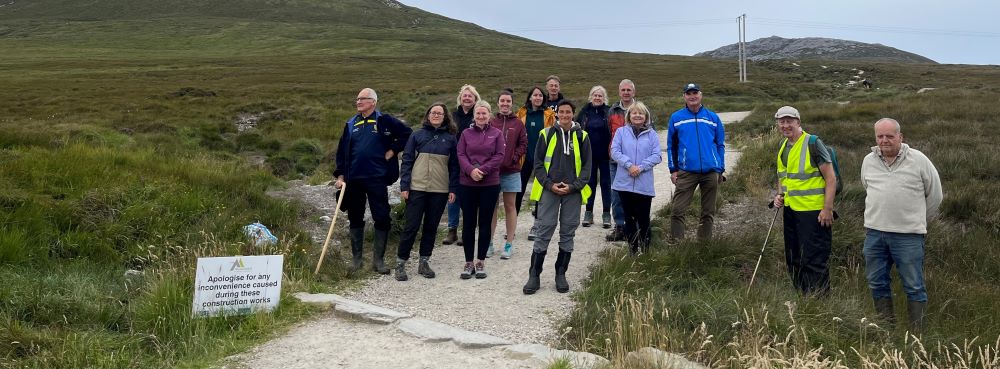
(494, 305)
(333, 342)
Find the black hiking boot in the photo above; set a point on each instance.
(537, 259)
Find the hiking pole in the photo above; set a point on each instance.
(340, 199)
(763, 247)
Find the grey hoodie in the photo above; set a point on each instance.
(563, 166)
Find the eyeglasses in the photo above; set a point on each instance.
(363, 99)
(436, 113)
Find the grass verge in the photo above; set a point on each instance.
(692, 297)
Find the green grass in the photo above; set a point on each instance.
(119, 150)
(691, 297)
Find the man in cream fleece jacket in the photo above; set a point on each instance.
(903, 191)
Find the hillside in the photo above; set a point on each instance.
(775, 47)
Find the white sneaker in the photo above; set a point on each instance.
(507, 250)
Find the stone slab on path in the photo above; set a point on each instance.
(432, 331)
(331, 342)
(354, 309)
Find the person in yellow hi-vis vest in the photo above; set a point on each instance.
(562, 170)
(807, 184)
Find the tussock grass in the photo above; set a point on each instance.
(691, 297)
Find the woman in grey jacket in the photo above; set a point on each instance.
(636, 149)
(428, 181)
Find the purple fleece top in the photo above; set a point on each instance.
(482, 148)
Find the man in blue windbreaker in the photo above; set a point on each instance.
(368, 161)
(696, 149)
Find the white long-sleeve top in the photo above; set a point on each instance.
(903, 197)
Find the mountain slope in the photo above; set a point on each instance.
(775, 47)
(253, 25)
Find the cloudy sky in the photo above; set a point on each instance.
(951, 31)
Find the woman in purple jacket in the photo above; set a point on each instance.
(636, 149)
(480, 154)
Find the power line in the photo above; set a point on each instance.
(871, 28)
(668, 23)
(794, 23)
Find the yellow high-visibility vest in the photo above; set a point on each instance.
(536, 188)
(801, 182)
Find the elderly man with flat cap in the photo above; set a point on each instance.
(807, 184)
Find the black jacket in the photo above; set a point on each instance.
(362, 162)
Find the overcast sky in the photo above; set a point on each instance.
(947, 31)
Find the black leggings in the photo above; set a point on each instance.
(636, 207)
(478, 205)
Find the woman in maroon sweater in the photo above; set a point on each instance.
(515, 145)
(480, 154)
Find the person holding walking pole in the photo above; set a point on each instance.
(807, 185)
(428, 181)
(367, 161)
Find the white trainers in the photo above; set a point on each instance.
(507, 250)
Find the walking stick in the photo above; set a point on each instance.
(763, 247)
(333, 222)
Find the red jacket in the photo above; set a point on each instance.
(515, 141)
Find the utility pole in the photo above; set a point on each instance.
(741, 26)
(744, 47)
(739, 45)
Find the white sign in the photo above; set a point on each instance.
(236, 285)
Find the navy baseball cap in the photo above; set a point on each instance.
(691, 87)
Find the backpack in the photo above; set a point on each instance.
(833, 160)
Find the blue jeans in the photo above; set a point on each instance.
(453, 213)
(906, 250)
(617, 211)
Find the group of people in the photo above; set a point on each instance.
(474, 160)
(903, 192)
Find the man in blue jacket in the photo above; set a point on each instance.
(368, 163)
(696, 149)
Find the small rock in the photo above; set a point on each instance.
(652, 357)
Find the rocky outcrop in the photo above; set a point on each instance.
(775, 47)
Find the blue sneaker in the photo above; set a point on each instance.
(490, 252)
(507, 250)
